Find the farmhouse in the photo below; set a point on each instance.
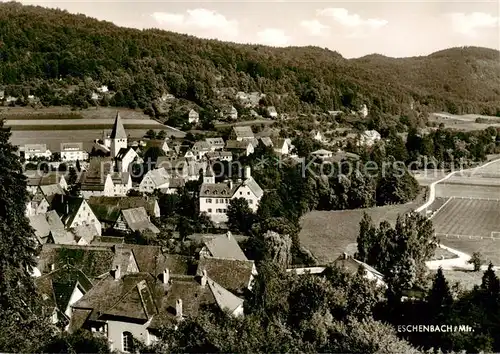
(215, 143)
(193, 117)
(200, 148)
(74, 212)
(45, 224)
(36, 151)
(71, 152)
(100, 180)
(242, 133)
(369, 137)
(136, 219)
(282, 146)
(229, 112)
(244, 147)
(155, 179)
(215, 197)
(219, 156)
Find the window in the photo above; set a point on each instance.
(241, 193)
(209, 210)
(250, 201)
(216, 201)
(209, 201)
(127, 342)
(248, 193)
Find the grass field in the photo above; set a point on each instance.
(467, 191)
(327, 234)
(488, 248)
(28, 113)
(466, 278)
(464, 122)
(468, 217)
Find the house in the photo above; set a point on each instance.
(271, 112)
(266, 141)
(223, 246)
(74, 212)
(135, 219)
(51, 181)
(322, 154)
(71, 152)
(352, 265)
(363, 111)
(318, 136)
(282, 146)
(38, 204)
(103, 89)
(135, 305)
(101, 180)
(154, 179)
(59, 290)
(200, 148)
(242, 133)
(45, 224)
(229, 113)
(161, 144)
(215, 143)
(107, 209)
(235, 275)
(167, 97)
(219, 156)
(215, 197)
(369, 137)
(118, 137)
(36, 151)
(124, 159)
(193, 117)
(185, 169)
(245, 147)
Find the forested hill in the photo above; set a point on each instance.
(39, 46)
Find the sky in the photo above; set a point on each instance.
(356, 28)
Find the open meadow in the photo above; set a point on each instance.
(466, 122)
(327, 234)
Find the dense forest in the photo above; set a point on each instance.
(44, 51)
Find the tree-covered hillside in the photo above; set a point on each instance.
(39, 46)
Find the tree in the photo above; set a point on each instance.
(150, 134)
(366, 238)
(162, 134)
(82, 341)
(77, 166)
(23, 325)
(278, 248)
(476, 261)
(439, 299)
(240, 216)
(72, 177)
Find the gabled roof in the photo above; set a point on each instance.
(243, 132)
(158, 176)
(85, 232)
(51, 190)
(137, 220)
(254, 187)
(224, 298)
(267, 141)
(224, 246)
(45, 223)
(67, 207)
(232, 274)
(373, 134)
(118, 131)
(215, 141)
(321, 152)
(152, 260)
(201, 146)
(107, 209)
(71, 146)
(237, 145)
(123, 152)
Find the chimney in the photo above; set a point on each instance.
(248, 172)
(230, 183)
(228, 235)
(117, 274)
(178, 308)
(166, 276)
(204, 278)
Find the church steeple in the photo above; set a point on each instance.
(118, 136)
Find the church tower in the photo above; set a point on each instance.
(118, 136)
(209, 176)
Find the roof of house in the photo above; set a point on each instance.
(201, 146)
(91, 260)
(158, 176)
(232, 274)
(85, 232)
(67, 207)
(218, 154)
(224, 246)
(35, 147)
(271, 109)
(51, 190)
(215, 141)
(227, 190)
(279, 143)
(321, 152)
(137, 219)
(243, 132)
(107, 209)
(352, 265)
(237, 145)
(134, 296)
(107, 241)
(71, 146)
(58, 285)
(34, 178)
(371, 134)
(151, 259)
(224, 298)
(267, 141)
(43, 224)
(62, 237)
(118, 131)
(123, 152)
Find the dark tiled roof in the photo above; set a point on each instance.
(107, 209)
(237, 145)
(66, 207)
(222, 246)
(234, 275)
(151, 259)
(118, 131)
(243, 132)
(137, 220)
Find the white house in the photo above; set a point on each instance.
(229, 112)
(100, 180)
(322, 154)
(155, 179)
(75, 212)
(200, 148)
(364, 111)
(103, 89)
(32, 151)
(124, 159)
(242, 133)
(317, 135)
(73, 152)
(351, 265)
(271, 112)
(215, 197)
(219, 156)
(135, 219)
(215, 143)
(282, 146)
(240, 147)
(193, 117)
(369, 137)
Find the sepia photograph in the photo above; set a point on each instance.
(281, 176)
